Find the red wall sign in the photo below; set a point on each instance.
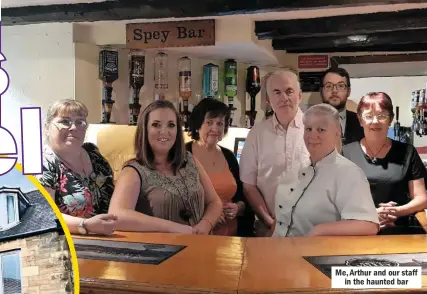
(313, 61)
(422, 150)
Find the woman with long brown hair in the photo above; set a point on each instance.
(164, 188)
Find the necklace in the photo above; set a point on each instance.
(374, 158)
(210, 154)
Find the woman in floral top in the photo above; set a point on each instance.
(75, 174)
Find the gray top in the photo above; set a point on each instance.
(178, 198)
(335, 189)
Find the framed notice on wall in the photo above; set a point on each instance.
(311, 81)
(238, 147)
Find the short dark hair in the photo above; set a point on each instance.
(339, 71)
(144, 153)
(381, 99)
(211, 107)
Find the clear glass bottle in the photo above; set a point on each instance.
(184, 71)
(160, 75)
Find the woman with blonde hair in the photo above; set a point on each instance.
(75, 174)
(164, 188)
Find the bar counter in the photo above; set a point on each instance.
(215, 264)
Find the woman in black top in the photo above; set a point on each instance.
(208, 124)
(394, 169)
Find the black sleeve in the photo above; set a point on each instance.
(189, 147)
(246, 221)
(416, 169)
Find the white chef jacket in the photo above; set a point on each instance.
(334, 189)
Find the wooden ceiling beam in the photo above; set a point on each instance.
(383, 48)
(353, 43)
(343, 25)
(149, 9)
(369, 59)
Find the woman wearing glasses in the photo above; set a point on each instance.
(75, 174)
(394, 169)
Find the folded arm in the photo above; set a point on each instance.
(345, 227)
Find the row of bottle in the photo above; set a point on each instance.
(419, 111)
(211, 80)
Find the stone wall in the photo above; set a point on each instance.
(46, 263)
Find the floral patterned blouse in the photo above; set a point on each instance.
(75, 195)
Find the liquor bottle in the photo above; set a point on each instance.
(397, 131)
(253, 87)
(422, 111)
(108, 73)
(160, 75)
(210, 80)
(413, 102)
(417, 125)
(230, 84)
(136, 82)
(184, 69)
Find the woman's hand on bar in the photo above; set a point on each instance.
(204, 227)
(103, 224)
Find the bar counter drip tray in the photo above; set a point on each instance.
(325, 263)
(145, 253)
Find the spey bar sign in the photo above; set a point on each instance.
(170, 34)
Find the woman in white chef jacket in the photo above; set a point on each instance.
(332, 195)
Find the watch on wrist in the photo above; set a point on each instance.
(81, 228)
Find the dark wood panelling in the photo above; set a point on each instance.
(149, 9)
(343, 25)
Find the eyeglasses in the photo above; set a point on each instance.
(380, 117)
(67, 123)
(330, 87)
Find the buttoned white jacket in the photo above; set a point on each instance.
(334, 189)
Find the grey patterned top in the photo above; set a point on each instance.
(178, 198)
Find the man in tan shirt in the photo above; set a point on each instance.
(273, 147)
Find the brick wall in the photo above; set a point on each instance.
(46, 264)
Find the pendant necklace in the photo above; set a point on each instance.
(374, 158)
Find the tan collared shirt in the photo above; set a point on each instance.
(269, 152)
(335, 189)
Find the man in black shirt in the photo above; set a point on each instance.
(335, 91)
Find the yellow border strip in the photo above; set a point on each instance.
(63, 224)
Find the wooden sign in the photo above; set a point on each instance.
(313, 61)
(311, 81)
(170, 34)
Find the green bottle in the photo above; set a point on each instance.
(230, 82)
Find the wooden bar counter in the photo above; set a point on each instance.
(214, 264)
